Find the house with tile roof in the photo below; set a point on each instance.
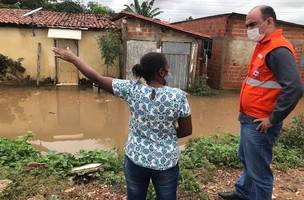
(30, 39)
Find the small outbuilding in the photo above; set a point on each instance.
(182, 48)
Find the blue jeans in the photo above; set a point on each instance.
(255, 152)
(138, 179)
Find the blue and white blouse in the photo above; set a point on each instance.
(152, 138)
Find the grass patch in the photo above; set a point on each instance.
(197, 164)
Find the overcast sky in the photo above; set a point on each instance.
(177, 10)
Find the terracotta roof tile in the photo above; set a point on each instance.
(55, 19)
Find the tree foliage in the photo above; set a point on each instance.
(144, 8)
(10, 69)
(96, 8)
(59, 6)
(27, 4)
(109, 45)
(189, 18)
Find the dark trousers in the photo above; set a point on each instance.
(138, 178)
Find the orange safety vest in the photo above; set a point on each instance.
(260, 88)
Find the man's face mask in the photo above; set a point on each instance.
(254, 34)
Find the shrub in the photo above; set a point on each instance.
(200, 88)
(10, 68)
(14, 152)
(285, 158)
(293, 135)
(221, 151)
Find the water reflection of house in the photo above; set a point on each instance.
(231, 50)
(20, 38)
(183, 48)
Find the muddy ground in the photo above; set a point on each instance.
(289, 185)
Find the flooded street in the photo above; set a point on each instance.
(67, 119)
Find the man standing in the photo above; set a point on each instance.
(269, 93)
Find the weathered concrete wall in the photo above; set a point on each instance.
(20, 43)
(235, 63)
(216, 27)
(90, 52)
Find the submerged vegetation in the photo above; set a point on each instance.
(201, 88)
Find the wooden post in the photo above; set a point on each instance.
(56, 65)
(193, 58)
(124, 38)
(77, 46)
(38, 64)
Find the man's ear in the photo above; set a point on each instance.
(270, 21)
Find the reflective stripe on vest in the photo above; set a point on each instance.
(264, 84)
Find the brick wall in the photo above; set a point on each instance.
(234, 73)
(296, 37)
(137, 30)
(216, 27)
(210, 26)
(215, 63)
(141, 30)
(235, 64)
(236, 26)
(232, 51)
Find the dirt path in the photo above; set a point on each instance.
(289, 185)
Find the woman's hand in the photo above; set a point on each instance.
(66, 55)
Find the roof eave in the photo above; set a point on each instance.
(169, 26)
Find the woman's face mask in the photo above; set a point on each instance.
(168, 78)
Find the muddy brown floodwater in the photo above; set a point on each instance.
(68, 119)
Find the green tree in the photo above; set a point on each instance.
(145, 8)
(189, 18)
(59, 6)
(32, 4)
(10, 5)
(67, 6)
(8, 1)
(109, 45)
(28, 4)
(54, 5)
(96, 8)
